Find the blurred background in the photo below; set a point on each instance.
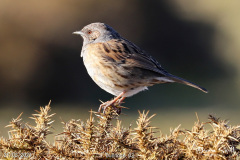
(197, 40)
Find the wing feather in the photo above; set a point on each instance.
(126, 53)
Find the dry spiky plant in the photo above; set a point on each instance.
(27, 140)
(101, 139)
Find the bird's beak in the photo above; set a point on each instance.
(78, 32)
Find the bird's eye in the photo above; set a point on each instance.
(89, 32)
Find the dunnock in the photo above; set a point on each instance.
(120, 67)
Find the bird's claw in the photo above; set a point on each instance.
(114, 105)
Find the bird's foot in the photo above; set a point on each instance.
(111, 106)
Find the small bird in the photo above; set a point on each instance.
(119, 66)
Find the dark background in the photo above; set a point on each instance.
(40, 58)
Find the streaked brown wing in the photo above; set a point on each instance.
(127, 54)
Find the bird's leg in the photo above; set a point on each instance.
(119, 98)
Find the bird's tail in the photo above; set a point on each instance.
(186, 82)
